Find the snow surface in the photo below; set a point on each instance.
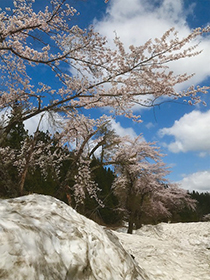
(43, 238)
(171, 251)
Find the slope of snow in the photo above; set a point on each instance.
(171, 251)
(43, 238)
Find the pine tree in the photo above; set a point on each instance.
(15, 133)
(11, 140)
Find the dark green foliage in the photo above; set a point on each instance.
(108, 214)
(203, 206)
(8, 181)
(15, 133)
(37, 183)
(13, 137)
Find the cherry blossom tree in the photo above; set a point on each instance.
(32, 152)
(141, 185)
(101, 76)
(82, 137)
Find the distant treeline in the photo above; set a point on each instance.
(202, 209)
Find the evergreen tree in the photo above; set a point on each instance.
(15, 133)
(11, 139)
(104, 177)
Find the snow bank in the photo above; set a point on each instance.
(43, 238)
(171, 251)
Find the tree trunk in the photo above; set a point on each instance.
(22, 181)
(130, 223)
(28, 159)
(138, 221)
(25, 171)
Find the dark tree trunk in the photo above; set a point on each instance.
(130, 223)
(138, 221)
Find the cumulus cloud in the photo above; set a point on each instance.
(122, 131)
(198, 181)
(136, 21)
(46, 122)
(191, 133)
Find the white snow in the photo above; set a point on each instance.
(178, 251)
(41, 238)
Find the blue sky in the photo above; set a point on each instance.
(182, 131)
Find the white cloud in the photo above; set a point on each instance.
(191, 133)
(149, 125)
(51, 122)
(198, 181)
(44, 121)
(136, 21)
(121, 131)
